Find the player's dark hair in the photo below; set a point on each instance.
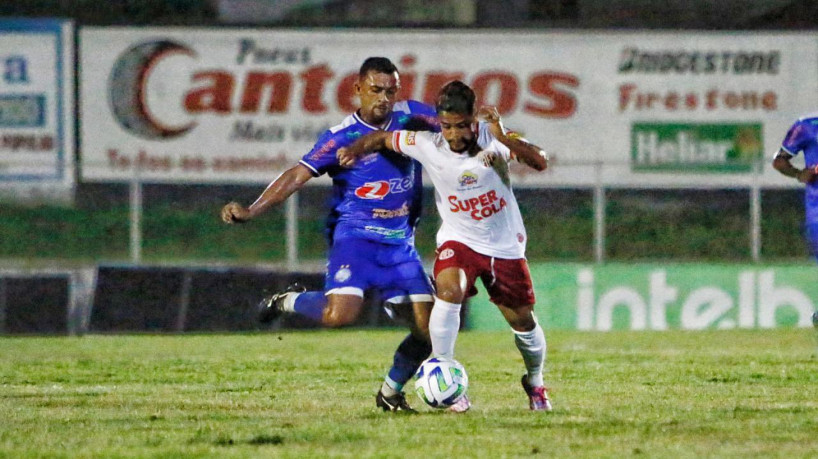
(378, 64)
(455, 97)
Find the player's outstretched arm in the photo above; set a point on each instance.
(782, 164)
(525, 152)
(276, 192)
(367, 144)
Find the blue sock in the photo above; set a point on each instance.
(410, 354)
(311, 305)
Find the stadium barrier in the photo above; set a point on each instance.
(664, 296)
(154, 299)
(45, 301)
(159, 299)
(572, 296)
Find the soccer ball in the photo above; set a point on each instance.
(440, 382)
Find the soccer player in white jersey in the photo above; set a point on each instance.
(482, 234)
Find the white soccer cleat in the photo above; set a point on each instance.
(461, 405)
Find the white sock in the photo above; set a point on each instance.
(390, 388)
(444, 323)
(532, 347)
(288, 305)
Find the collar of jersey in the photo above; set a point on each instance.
(374, 128)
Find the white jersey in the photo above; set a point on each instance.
(475, 202)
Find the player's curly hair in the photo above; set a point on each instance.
(455, 97)
(378, 64)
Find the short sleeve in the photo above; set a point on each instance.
(795, 139)
(486, 141)
(322, 156)
(410, 143)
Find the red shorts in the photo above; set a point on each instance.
(508, 281)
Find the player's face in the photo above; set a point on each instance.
(377, 92)
(458, 130)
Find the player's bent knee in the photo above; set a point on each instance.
(334, 320)
(450, 294)
(524, 323)
(335, 317)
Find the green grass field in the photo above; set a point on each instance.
(311, 394)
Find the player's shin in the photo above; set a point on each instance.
(444, 324)
(408, 357)
(307, 304)
(532, 347)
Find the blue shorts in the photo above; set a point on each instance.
(357, 265)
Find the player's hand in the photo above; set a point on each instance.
(233, 212)
(491, 116)
(345, 158)
(807, 175)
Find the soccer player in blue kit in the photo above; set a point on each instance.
(370, 226)
(803, 136)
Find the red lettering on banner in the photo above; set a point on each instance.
(279, 82)
(407, 78)
(345, 94)
(435, 81)
(560, 103)
(213, 98)
(221, 91)
(553, 95)
(508, 90)
(633, 98)
(314, 79)
(22, 142)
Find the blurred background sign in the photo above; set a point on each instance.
(625, 109)
(36, 109)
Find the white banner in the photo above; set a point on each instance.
(36, 109)
(654, 109)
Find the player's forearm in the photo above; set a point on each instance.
(530, 154)
(278, 191)
(783, 165)
(367, 144)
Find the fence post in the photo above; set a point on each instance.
(292, 232)
(136, 216)
(755, 211)
(184, 300)
(599, 214)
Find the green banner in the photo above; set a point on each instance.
(713, 147)
(661, 297)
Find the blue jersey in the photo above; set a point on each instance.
(803, 136)
(379, 197)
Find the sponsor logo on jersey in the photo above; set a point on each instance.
(446, 254)
(381, 188)
(326, 148)
(467, 178)
(410, 138)
(401, 211)
(387, 233)
(343, 274)
(520, 238)
(480, 207)
(372, 190)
